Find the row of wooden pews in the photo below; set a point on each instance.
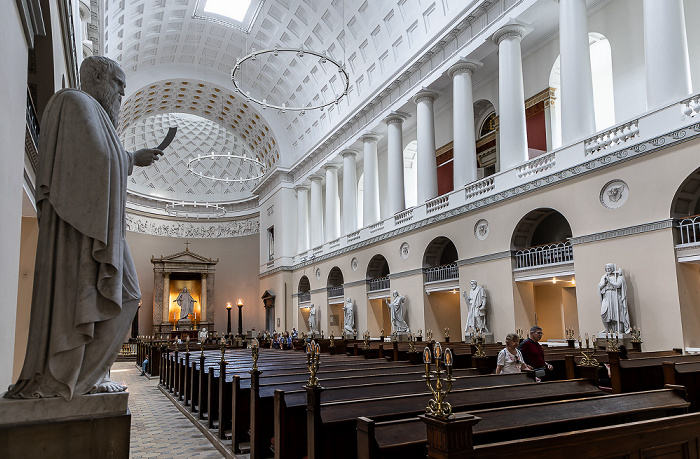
(369, 404)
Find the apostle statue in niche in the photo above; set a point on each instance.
(476, 302)
(312, 318)
(398, 313)
(186, 303)
(348, 316)
(86, 290)
(613, 300)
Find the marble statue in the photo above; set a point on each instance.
(613, 300)
(398, 313)
(476, 302)
(86, 290)
(349, 316)
(312, 318)
(203, 334)
(186, 303)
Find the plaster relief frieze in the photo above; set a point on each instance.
(194, 230)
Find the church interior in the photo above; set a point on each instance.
(378, 175)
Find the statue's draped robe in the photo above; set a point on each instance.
(477, 304)
(85, 285)
(613, 303)
(186, 303)
(349, 317)
(398, 313)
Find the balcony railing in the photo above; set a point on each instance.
(304, 297)
(334, 292)
(441, 273)
(381, 283)
(548, 254)
(32, 120)
(690, 229)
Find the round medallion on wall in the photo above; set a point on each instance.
(404, 250)
(481, 229)
(614, 194)
(354, 264)
(318, 273)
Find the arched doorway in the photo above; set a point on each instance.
(334, 287)
(544, 273)
(378, 290)
(441, 280)
(486, 129)
(304, 303)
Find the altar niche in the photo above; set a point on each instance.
(174, 273)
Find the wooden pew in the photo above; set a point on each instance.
(641, 373)
(406, 438)
(684, 374)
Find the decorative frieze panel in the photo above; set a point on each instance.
(194, 230)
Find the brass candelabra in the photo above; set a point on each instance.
(437, 406)
(447, 332)
(343, 335)
(587, 359)
(201, 349)
(365, 337)
(570, 333)
(612, 342)
(331, 337)
(478, 340)
(187, 344)
(412, 343)
(313, 356)
(636, 335)
(394, 337)
(255, 350)
(420, 333)
(429, 335)
(381, 334)
(521, 333)
(222, 347)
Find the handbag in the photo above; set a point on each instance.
(540, 372)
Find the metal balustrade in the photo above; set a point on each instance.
(32, 119)
(441, 273)
(304, 297)
(334, 292)
(381, 283)
(548, 254)
(690, 229)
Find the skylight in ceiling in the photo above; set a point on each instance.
(234, 9)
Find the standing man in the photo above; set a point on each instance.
(86, 290)
(533, 354)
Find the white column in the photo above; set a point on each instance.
(425, 154)
(349, 191)
(302, 218)
(395, 187)
(511, 96)
(332, 211)
(577, 110)
(665, 52)
(166, 297)
(316, 217)
(464, 149)
(370, 197)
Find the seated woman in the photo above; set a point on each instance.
(510, 360)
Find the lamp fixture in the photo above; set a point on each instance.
(256, 169)
(240, 302)
(228, 305)
(299, 52)
(194, 209)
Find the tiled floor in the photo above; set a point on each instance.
(158, 429)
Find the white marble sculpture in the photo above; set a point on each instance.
(398, 313)
(613, 300)
(186, 303)
(312, 318)
(349, 316)
(203, 334)
(85, 286)
(476, 302)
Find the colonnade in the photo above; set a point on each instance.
(667, 77)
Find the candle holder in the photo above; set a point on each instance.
(394, 337)
(222, 347)
(570, 334)
(612, 342)
(255, 350)
(343, 335)
(437, 406)
(420, 333)
(187, 344)
(447, 334)
(521, 334)
(381, 334)
(332, 343)
(365, 337)
(354, 333)
(636, 335)
(201, 349)
(411, 343)
(313, 356)
(429, 335)
(587, 359)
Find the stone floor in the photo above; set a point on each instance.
(159, 429)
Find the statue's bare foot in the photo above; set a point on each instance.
(107, 385)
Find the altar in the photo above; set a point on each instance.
(183, 286)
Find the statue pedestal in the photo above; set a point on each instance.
(488, 338)
(96, 425)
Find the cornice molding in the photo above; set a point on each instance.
(621, 232)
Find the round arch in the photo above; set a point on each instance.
(540, 226)
(335, 277)
(304, 285)
(441, 251)
(377, 267)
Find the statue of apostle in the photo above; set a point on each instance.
(398, 313)
(86, 290)
(312, 318)
(348, 316)
(613, 300)
(476, 302)
(186, 303)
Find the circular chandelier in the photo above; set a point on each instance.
(257, 166)
(300, 52)
(194, 209)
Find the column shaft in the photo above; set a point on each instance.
(349, 191)
(203, 300)
(316, 218)
(395, 188)
(464, 146)
(166, 297)
(332, 212)
(425, 154)
(370, 197)
(302, 218)
(665, 52)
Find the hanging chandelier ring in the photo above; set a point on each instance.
(215, 156)
(300, 53)
(186, 209)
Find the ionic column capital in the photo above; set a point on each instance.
(396, 118)
(425, 95)
(512, 29)
(299, 188)
(369, 137)
(331, 166)
(316, 178)
(464, 66)
(348, 152)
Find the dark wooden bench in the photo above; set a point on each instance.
(685, 374)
